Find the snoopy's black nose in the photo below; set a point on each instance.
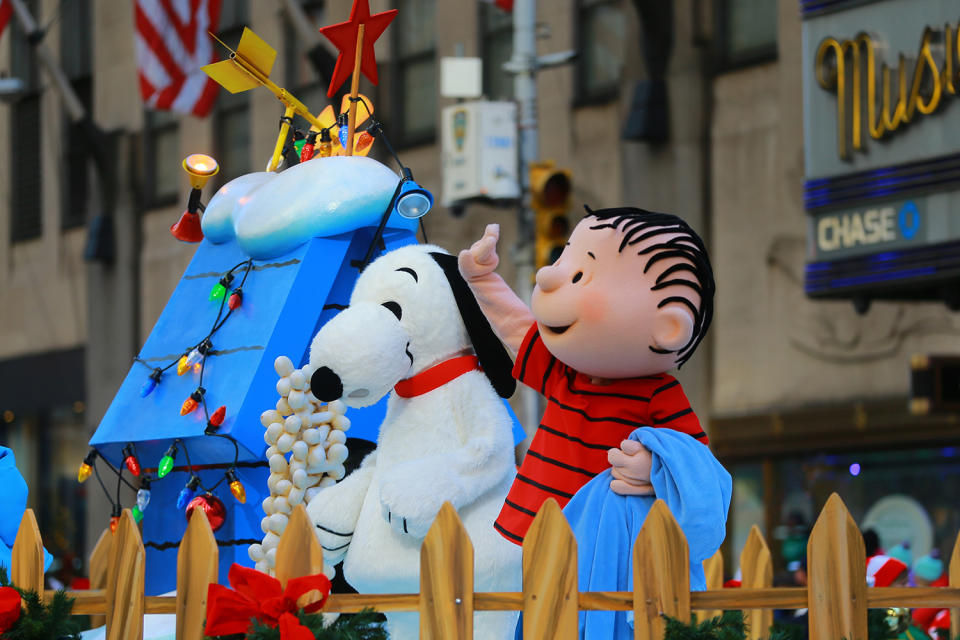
(326, 385)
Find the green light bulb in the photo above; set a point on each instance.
(165, 466)
(218, 292)
(137, 514)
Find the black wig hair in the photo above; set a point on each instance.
(639, 225)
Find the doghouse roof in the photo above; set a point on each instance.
(285, 301)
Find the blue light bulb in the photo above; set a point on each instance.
(194, 357)
(150, 384)
(143, 494)
(188, 493)
(343, 137)
(143, 499)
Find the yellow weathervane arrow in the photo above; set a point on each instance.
(249, 67)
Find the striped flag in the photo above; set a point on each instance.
(6, 10)
(172, 44)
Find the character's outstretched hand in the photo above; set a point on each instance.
(481, 258)
(631, 469)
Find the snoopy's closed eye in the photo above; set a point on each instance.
(394, 308)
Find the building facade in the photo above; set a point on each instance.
(695, 107)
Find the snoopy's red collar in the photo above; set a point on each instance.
(436, 376)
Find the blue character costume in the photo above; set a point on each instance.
(13, 502)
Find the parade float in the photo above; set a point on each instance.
(215, 412)
(218, 431)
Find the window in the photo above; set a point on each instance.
(162, 161)
(25, 169)
(415, 98)
(601, 35)
(302, 77)
(48, 436)
(76, 58)
(231, 118)
(747, 32)
(496, 43)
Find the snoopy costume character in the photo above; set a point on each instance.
(414, 330)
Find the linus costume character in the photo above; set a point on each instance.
(630, 297)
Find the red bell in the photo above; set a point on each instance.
(187, 229)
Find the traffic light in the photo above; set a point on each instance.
(934, 384)
(550, 190)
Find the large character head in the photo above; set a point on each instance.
(631, 294)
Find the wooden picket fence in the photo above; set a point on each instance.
(837, 596)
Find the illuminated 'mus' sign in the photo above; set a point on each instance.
(919, 91)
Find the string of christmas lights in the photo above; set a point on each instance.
(193, 357)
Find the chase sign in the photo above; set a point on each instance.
(882, 149)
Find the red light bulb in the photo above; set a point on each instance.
(236, 299)
(130, 460)
(217, 418)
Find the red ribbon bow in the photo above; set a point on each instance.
(257, 595)
(9, 608)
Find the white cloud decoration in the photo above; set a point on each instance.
(271, 214)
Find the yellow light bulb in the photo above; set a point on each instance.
(84, 472)
(182, 365)
(238, 491)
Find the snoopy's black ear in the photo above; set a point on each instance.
(493, 356)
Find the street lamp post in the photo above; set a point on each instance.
(524, 64)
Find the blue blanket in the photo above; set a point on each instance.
(13, 501)
(696, 488)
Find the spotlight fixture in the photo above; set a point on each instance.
(412, 201)
(200, 168)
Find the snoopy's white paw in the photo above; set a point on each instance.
(333, 530)
(408, 514)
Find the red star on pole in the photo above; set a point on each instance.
(344, 37)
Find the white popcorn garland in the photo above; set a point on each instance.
(306, 450)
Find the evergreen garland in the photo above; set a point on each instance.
(41, 621)
(730, 626)
(366, 625)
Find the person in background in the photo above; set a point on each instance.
(884, 571)
(901, 552)
(928, 571)
(871, 543)
(796, 619)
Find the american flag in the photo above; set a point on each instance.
(6, 10)
(172, 44)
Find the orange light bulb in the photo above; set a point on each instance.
(188, 405)
(192, 402)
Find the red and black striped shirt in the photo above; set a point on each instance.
(582, 421)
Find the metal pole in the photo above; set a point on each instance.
(524, 65)
(71, 102)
